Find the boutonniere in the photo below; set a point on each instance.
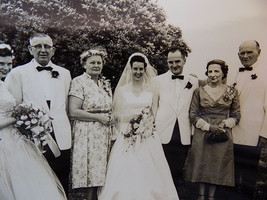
(188, 85)
(254, 76)
(54, 74)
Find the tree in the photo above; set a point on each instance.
(122, 27)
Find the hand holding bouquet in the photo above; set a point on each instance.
(141, 126)
(32, 122)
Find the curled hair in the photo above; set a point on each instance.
(138, 58)
(5, 50)
(179, 45)
(224, 67)
(174, 49)
(92, 52)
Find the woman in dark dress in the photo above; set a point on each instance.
(214, 109)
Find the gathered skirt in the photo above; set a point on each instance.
(210, 163)
(24, 172)
(138, 172)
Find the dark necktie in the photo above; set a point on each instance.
(39, 68)
(179, 77)
(3, 79)
(242, 69)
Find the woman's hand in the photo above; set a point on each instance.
(106, 119)
(216, 129)
(222, 124)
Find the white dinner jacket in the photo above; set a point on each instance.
(170, 108)
(25, 86)
(253, 106)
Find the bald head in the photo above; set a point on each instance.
(249, 51)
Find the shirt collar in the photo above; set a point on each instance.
(170, 74)
(36, 64)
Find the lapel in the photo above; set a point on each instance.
(184, 93)
(245, 85)
(168, 89)
(56, 87)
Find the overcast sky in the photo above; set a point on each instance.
(215, 28)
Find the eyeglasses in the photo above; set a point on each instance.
(40, 46)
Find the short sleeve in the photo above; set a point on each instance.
(76, 88)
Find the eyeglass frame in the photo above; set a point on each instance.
(41, 46)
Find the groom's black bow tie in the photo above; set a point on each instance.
(179, 77)
(242, 69)
(39, 68)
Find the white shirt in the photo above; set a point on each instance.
(45, 78)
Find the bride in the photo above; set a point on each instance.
(24, 172)
(137, 166)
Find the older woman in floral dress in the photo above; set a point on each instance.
(90, 101)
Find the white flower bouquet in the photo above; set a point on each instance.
(32, 122)
(142, 126)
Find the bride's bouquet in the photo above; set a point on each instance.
(32, 122)
(141, 126)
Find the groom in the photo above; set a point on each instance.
(172, 120)
(46, 85)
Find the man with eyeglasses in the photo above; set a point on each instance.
(175, 91)
(251, 132)
(44, 84)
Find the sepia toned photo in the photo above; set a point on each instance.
(133, 100)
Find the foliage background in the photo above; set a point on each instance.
(122, 27)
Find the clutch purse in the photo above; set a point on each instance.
(213, 138)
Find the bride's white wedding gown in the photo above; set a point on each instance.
(139, 171)
(24, 172)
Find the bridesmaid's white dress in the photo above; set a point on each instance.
(24, 172)
(139, 171)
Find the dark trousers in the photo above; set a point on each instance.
(60, 165)
(246, 165)
(176, 153)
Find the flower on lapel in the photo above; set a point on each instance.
(254, 76)
(188, 85)
(54, 74)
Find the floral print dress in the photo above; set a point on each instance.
(91, 142)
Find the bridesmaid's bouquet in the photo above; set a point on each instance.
(140, 127)
(32, 122)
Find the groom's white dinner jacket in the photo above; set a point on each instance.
(25, 85)
(174, 98)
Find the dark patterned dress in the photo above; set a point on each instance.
(212, 163)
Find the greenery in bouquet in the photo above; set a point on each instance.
(32, 122)
(141, 126)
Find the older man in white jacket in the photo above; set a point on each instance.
(251, 131)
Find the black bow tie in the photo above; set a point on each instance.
(3, 78)
(179, 77)
(39, 68)
(242, 69)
